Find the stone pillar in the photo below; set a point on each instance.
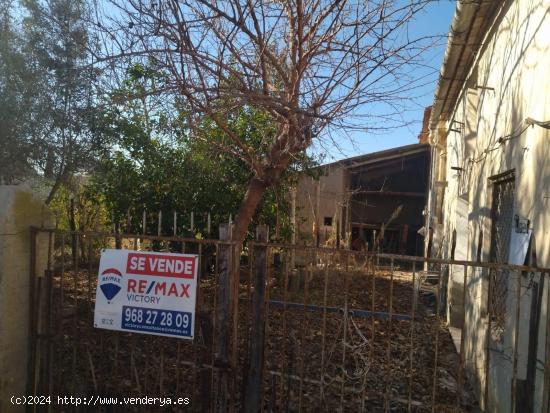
(19, 210)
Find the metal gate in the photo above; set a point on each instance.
(312, 329)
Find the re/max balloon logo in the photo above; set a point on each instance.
(110, 283)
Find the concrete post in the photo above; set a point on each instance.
(19, 210)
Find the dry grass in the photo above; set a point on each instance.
(315, 361)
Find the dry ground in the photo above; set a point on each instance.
(315, 360)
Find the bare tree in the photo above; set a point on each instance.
(316, 66)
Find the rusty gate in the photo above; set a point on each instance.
(279, 328)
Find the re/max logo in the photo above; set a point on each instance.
(170, 289)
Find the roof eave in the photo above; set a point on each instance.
(470, 24)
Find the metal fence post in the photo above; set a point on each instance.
(546, 388)
(254, 385)
(485, 404)
(223, 318)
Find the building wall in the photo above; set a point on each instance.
(19, 209)
(513, 71)
(320, 198)
(349, 196)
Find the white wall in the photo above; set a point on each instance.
(513, 69)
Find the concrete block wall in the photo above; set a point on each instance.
(19, 210)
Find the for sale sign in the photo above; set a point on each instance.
(147, 292)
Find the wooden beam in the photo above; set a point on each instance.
(365, 225)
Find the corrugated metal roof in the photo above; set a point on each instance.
(380, 155)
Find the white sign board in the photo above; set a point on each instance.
(519, 244)
(147, 292)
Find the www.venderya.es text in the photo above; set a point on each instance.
(99, 400)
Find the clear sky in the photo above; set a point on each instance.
(436, 19)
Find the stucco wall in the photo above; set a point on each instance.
(19, 209)
(332, 193)
(509, 83)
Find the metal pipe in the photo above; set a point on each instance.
(462, 340)
(338, 310)
(437, 325)
(388, 348)
(317, 249)
(411, 344)
(516, 340)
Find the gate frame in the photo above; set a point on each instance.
(225, 362)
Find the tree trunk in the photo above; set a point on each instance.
(53, 191)
(61, 179)
(256, 189)
(252, 198)
(72, 226)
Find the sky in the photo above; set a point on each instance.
(436, 19)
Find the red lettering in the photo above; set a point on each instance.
(173, 290)
(185, 290)
(160, 288)
(131, 285)
(142, 286)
